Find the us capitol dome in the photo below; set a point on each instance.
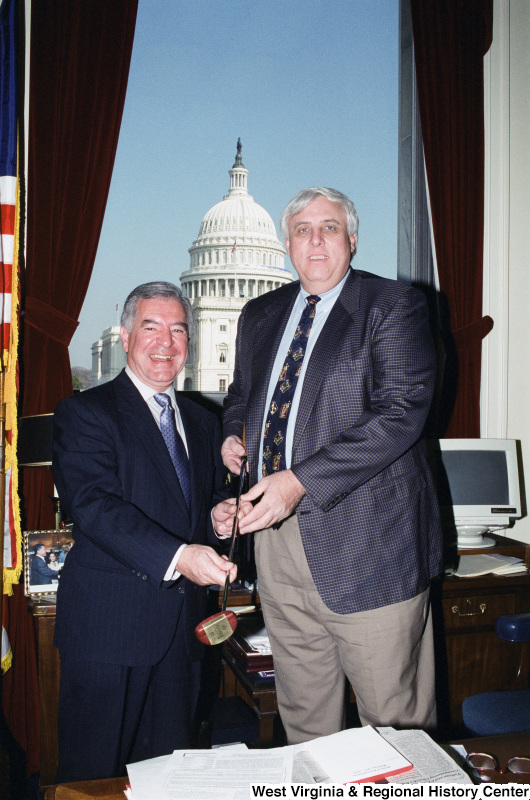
(236, 256)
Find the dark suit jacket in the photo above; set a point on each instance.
(116, 481)
(369, 521)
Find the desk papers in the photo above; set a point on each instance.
(357, 755)
(222, 774)
(354, 755)
(471, 566)
(432, 763)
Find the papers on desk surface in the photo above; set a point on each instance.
(222, 774)
(432, 763)
(471, 566)
(355, 755)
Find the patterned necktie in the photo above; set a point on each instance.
(282, 397)
(174, 443)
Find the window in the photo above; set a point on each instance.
(200, 44)
(222, 384)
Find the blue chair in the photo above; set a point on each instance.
(492, 713)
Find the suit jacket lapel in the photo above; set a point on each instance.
(331, 336)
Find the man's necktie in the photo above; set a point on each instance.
(174, 443)
(282, 397)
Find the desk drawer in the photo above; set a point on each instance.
(480, 610)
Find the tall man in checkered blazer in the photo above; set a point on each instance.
(332, 385)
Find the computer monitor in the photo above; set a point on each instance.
(478, 487)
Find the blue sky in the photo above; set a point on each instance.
(310, 86)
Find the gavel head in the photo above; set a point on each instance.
(217, 628)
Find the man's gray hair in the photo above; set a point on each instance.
(303, 198)
(151, 291)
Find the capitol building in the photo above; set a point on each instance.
(236, 256)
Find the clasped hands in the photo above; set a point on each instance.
(277, 496)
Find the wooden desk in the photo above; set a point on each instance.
(470, 658)
(109, 789)
(49, 670)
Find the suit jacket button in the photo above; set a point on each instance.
(144, 577)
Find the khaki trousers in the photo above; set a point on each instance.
(386, 653)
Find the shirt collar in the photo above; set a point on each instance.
(147, 391)
(326, 298)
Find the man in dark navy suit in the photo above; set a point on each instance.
(136, 466)
(333, 382)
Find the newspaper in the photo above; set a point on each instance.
(432, 763)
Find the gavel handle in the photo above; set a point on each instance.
(235, 528)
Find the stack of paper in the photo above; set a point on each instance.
(357, 755)
(353, 756)
(472, 566)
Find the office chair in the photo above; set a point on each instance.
(492, 713)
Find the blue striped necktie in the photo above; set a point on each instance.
(282, 397)
(174, 444)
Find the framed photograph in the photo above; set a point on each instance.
(44, 555)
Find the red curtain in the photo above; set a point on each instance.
(79, 66)
(80, 55)
(450, 40)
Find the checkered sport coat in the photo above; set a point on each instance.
(369, 521)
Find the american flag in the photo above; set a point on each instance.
(9, 296)
(234, 247)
